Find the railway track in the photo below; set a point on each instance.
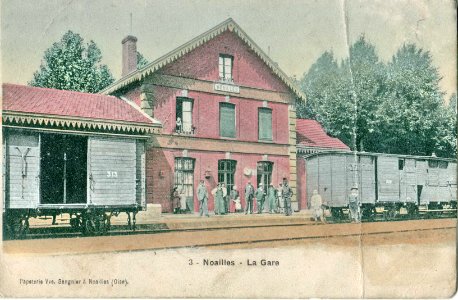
(67, 232)
(221, 238)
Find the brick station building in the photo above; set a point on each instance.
(228, 115)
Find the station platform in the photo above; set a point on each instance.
(193, 220)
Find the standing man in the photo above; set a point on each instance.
(280, 203)
(272, 198)
(353, 204)
(249, 193)
(316, 203)
(235, 200)
(225, 198)
(202, 196)
(286, 193)
(260, 198)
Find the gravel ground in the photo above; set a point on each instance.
(400, 264)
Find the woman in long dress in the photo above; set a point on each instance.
(272, 198)
(235, 200)
(219, 200)
(175, 197)
(183, 199)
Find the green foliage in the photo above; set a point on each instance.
(371, 106)
(414, 103)
(452, 103)
(72, 65)
(326, 90)
(141, 61)
(365, 74)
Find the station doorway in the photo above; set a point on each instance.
(226, 171)
(264, 171)
(63, 178)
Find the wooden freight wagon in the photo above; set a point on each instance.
(69, 152)
(387, 184)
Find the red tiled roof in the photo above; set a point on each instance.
(52, 102)
(311, 133)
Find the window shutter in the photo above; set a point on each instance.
(227, 120)
(187, 115)
(179, 109)
(265, 124)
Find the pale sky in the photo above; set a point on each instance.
(297, 31)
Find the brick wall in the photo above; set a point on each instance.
(248, 68)
(160, 173)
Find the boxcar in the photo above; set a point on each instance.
(90, 176)
(387, 184)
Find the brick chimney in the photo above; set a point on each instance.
(129, 55)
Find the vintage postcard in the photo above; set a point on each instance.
(229, 149)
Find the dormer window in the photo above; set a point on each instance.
(225, 67)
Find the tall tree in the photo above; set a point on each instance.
(343, 98)
(445, 141)
(327, 98)
(365, 74)
(70, 64)
(141, 60)
(414, 118)
(452, 103)
(370, 106)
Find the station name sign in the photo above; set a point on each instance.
(226, 88)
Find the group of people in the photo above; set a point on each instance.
(273, 196)
(178, 200)
(317, 205)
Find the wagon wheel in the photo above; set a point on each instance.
(99, 224)
(391, 214)
(413, 212)
(349, 216)
(437, 214)
(25, 225)
(336, 214)
(103, 223)
(368, 214)
(89, 226)
(373, 214)
(134, 220)
(75, 223)
(107, 222)
(19, 227)
(8, 226)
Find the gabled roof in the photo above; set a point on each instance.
(173, 55)
(310, 133)
(34, 105)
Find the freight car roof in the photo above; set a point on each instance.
(32, 105)
(310, 133)
(340, 152)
